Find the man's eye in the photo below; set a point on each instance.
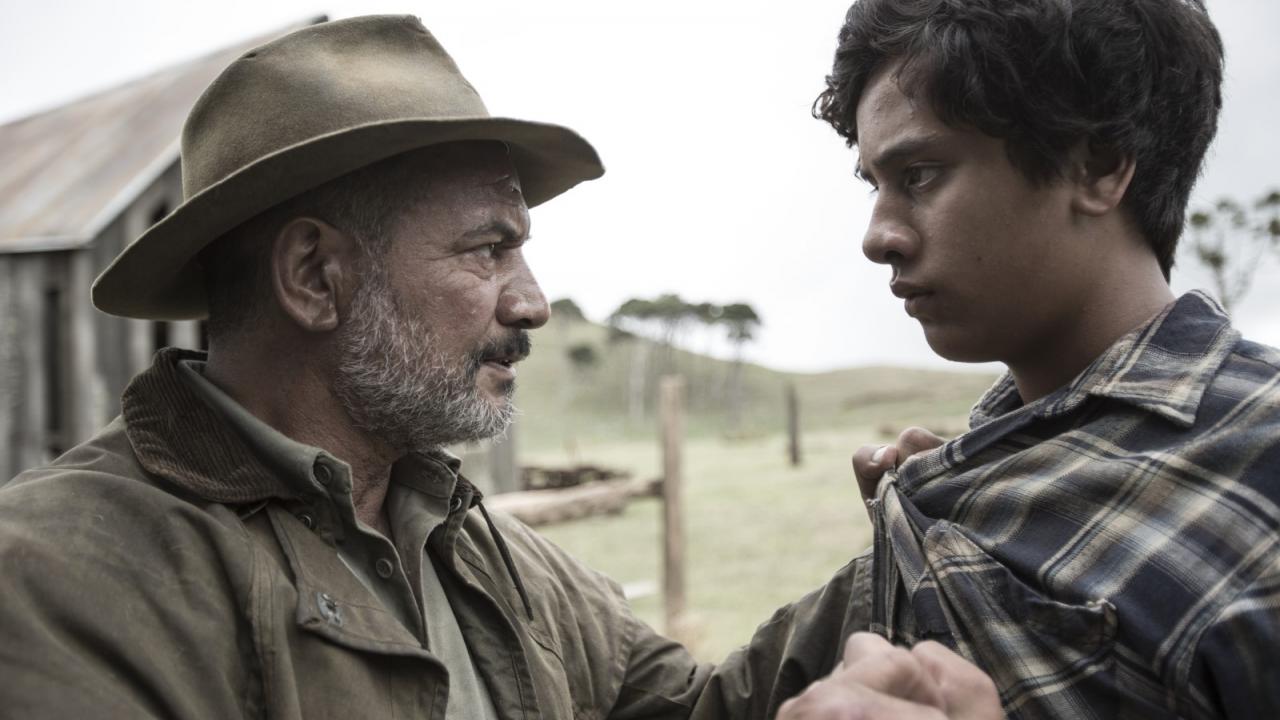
(918, 176)
(487, 251)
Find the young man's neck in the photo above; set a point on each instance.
(1127, 296)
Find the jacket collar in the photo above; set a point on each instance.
(178, 435)
(1163, 367)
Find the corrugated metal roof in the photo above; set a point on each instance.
(68, 172)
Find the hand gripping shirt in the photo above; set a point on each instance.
(1112, 549)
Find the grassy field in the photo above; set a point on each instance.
(760, 533)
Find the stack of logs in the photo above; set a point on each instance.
(556, 495)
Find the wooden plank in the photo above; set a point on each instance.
(504, 470)
(29, 433)
(9, 367)
(548, 507)
(185, 334)
(673, 565)
(793, 425)
(86, 400)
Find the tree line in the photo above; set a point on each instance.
(1230, 240)
(670, 322)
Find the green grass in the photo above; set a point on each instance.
(759, 532)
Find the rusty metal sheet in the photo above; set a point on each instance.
(67, 172)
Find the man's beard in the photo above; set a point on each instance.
(398, 386)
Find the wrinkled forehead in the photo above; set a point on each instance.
(483, 167)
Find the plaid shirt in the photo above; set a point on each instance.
(1112, 549)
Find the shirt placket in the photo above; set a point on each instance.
(370, 557)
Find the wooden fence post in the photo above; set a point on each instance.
(793, 425)
(673, 568)
(504, 465)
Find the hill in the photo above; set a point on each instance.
(608, 395)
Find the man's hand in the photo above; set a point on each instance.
(878, 680)
(871, 462)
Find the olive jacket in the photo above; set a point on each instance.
(160, 569)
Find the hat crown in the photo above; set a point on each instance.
(324, 79)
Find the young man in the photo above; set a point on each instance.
(1105, 541)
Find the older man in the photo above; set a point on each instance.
(273, 530)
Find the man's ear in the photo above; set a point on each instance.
(1102, 177)
(312, 271)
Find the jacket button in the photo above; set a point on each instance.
(323, 474)
(308, 521)
(329, 609)
(384, 568)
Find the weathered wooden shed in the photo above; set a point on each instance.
(77, 183)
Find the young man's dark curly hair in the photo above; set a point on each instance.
(1140, 78)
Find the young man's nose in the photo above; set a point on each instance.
(889, 240)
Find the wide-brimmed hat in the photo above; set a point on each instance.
(302, 110)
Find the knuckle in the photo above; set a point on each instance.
(900, 662)
(861, 643)
(915, 435)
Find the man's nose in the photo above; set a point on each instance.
(522, 303)
(889, 240)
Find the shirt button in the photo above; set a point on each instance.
(323, 474)
(384, 568)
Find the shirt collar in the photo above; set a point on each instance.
(293, 461)
(1162, 367)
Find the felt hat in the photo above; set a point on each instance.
(304, 109)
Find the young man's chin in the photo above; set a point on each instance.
(957, 345)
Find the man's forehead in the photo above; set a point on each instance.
(506, 186)
(470, 166)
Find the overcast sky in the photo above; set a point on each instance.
(719, 187)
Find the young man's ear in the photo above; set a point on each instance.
(1102, 177)
(312, 272)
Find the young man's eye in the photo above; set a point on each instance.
(918, 176)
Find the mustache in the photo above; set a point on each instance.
(515, 347)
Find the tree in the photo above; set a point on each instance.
(622, 324)
(567, 309)
(1230, 239)
(661, 320)
(583, 357)
(741, 322)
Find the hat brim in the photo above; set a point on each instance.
(158, 278)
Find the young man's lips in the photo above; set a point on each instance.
(914, 296)
(914, 304)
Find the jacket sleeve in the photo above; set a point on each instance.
(114, 606)
(801, 643)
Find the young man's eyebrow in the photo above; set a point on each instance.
(894, 153)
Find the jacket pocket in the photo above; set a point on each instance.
(1048, 658)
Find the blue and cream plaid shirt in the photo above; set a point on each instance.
(1112, 549)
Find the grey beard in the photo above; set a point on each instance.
(397, 386)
